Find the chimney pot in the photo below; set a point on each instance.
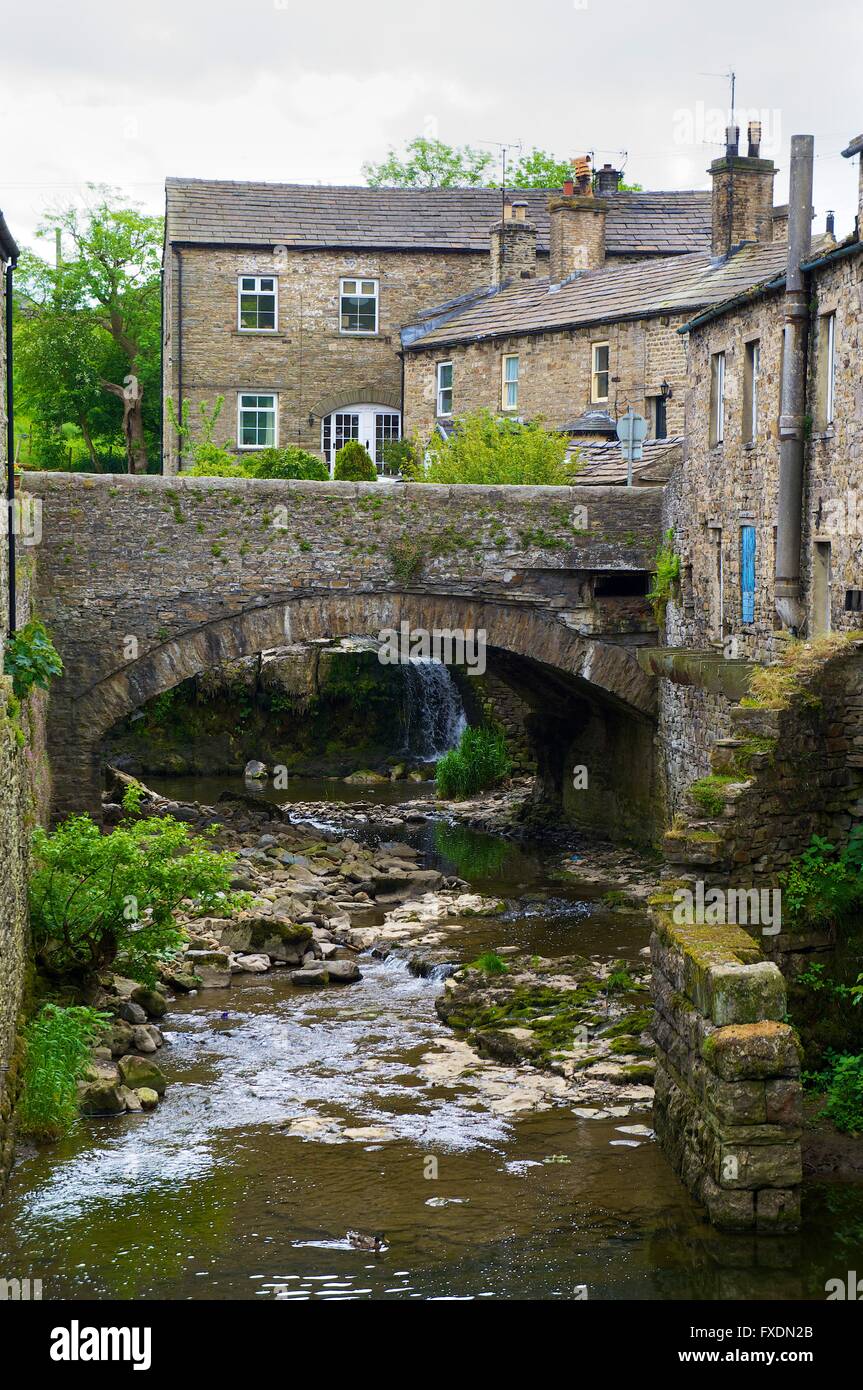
(754, 139)
(583, 179)
(831, 223)
(568, 188)
(607, 180)
(518, 212)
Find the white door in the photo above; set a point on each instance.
(372, 425)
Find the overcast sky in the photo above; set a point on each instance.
(306, 90)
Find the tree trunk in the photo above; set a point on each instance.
(136, 448)
(131, 394)
(88, 440)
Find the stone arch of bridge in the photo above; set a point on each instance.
(78, 722)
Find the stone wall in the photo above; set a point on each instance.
(728, 1099)
(24, 797)
(312, 366)
(554, 373)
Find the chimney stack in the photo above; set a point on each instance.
(607, 180)
(780, 222)
(577, 233)
(513, 246)
(742, 208)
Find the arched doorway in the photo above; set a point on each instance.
(372, 425)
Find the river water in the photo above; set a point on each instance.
(293, 1117)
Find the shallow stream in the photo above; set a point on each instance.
(293, 1117)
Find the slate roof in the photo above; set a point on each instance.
(217, 212)
(678, 284)
(603, 465)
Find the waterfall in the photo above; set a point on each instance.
(434, 714)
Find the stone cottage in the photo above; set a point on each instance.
(577, 341)
(770, 518)
(288, 300)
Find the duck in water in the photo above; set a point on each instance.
(375, 1244)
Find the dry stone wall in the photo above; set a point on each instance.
(728, 1099)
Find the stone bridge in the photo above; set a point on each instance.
(145, 581)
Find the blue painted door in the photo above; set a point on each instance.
(747, 574)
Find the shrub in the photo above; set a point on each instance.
(354, 464)
(400, 456)
(99, 899)
(288, 463)
(845, 1094)
(484, 449)
(821, 886)
(31, 659)
(211, 461)
(481, 760)
(58, 1043)
(666, 578)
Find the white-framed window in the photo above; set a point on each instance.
(257, 304)
(257, 419)
(717, 398)
(358, 306)
(830, 368)
(444, 388)
(509, 381)
(599, 371)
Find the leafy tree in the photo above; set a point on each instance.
(539, 169)
(97, 900)
(430, 164)
(91, 325)
(434, 164)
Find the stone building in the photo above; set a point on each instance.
(576, 342)
(288, 300)
(731, 505)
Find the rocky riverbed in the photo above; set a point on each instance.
(318, 902)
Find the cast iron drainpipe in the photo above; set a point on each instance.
(9, 252)
(789, 521)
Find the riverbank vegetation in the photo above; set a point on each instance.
(480, 761)
(108, 900)
(58, 1042)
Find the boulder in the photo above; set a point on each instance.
(343, 972)
(148, 1097)
(131, 1100)
(311, 977)
(251, 965)
(146, 1038)
(276, 937)
(131, 1012)
(140, 1071)
(212, 967)
(101, 1098)
(152, 1001)
(119, 1037)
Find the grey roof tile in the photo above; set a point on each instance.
(672, 284)
(213, 211)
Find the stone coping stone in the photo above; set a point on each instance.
(721, 968)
